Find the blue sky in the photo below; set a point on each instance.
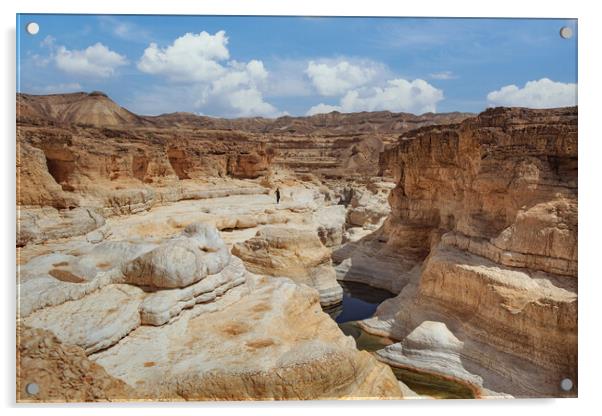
(270, 66)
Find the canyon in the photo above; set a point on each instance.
(155, 263)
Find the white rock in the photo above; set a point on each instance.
(330, 221)
(181, 261)
(95, 322)
(160, 307)
(432, 349)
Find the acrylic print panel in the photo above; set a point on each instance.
(259, 208)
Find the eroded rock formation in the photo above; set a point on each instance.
(181, 319)
(292, 252)
(153, 256)
(267, 339)
(493, 203)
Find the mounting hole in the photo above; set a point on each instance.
(566, 32)
(32, 389)
(566, 384)
(32, 28)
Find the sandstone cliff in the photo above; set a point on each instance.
(81, 157)
(491, 205)
(205, 146)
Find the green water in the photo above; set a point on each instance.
(432, 386)
(422, 384)
(363, 340)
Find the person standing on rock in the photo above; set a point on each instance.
(277, 195)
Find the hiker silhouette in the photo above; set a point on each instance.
(277, 195)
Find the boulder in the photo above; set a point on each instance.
(433, 352)
(292, 252)
(161, 306)
(181, 261)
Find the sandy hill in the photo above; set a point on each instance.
(94, 108)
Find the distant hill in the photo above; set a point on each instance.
(94, 108)
(97, 109)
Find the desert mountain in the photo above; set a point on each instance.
(97, 109)
(94, 108)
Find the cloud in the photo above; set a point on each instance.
(443, 75)
(248, 101)
(95, 61)
(287, 78)
(544, 93)
(323, 109)
(48, 41)
(215, 84)
(192, 57)
(237, 92)
(336, 77)
(366, 85)
(398, 95)
(124, 30)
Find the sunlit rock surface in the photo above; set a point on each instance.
(155, 262)
(223, 334)
(492, 202)
(292, 252)
(266, 339)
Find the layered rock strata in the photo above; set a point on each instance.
(479, 241)
(431, 354)
(494, 201)
(81, 158)
(296, 253)
(268, 340)
(85, 150)
(217, 332)
(194, 267)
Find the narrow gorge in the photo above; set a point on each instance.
(430, 256)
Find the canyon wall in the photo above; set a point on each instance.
(82, 158)
(491, 206)
(185, 145)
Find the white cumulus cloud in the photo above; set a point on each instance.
(191, 57)
(237, 92)
(336, 77)
(219, 85)
(95, 61)
(398, 95)
(323, 109)
(543, 93)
